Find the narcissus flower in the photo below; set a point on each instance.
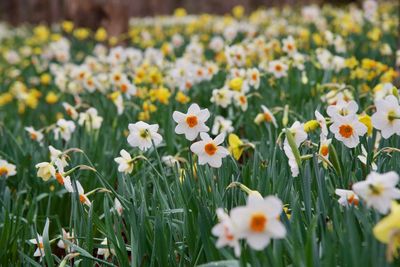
(266, 116)
(342, 108)
(347, 197)
(34, 135)
(209, 151)
(46, 170)
(64, 128)
(38, 241)
(277, 68)
(66, 236)
(236, 146)
(387, 116)
(192, 123)
(387, 231)
(225, 231)
(7, 169)
(82, 196)
(221, 125)
(258, 222)
(348, 129)
(125, 162)
(90, 119)
(105, 251)
(378, 190)
(142, 135)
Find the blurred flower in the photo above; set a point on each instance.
(378, 190)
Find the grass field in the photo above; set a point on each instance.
(253, 139)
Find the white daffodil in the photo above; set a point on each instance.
(294, 167)
(348, 129)
(342, 108)
(347, 197)
(68, 184)
(58, 154)
(66, 236)
(118, 207)
(38, 241)
(265, 116)
(34, 135)
(222, 97)
(221, 125)
(125, 162)
(322, 123)
(253, 77)
(192, 123)
(277, 68)
(258, 222)
(324, 147)
(387, 116)
(299, 135)
(90, 119)
(7, 169)
(70, 110)
(46, 170)
(64, 128)
(142, 135)
(378, 190)
(226, 232)
(209, 151)
(105, 252)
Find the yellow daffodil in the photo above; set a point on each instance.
(387, 231)
(236, 147)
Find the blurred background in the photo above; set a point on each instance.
(114, 14)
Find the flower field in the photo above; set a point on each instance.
(268, 138)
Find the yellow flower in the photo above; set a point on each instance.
(51, 98)
(5, 98)
(42, 33)
(366, 120)
(113, 40)
(387, 231)
(236, 84)
(180, 12)
(67, 26)
(100, 35)
(45, 79)
(238, 11)
(81, 33)
(311, 126)
(235, 146)
(351, 62)
(162, 94)
(182, 98)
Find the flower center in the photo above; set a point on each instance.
(210, 148)
(346, 130)
(3, 171)
(144, 133)
(191, 121)
(352, 200)
(267, 117)
(40, 245)
(228, 234)
(257, 222)
(278, 68)
(376, 189)
(124, 88)
(391, 116)
(33, 136)
(324, 150)
(82, 198)
(59, 178)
